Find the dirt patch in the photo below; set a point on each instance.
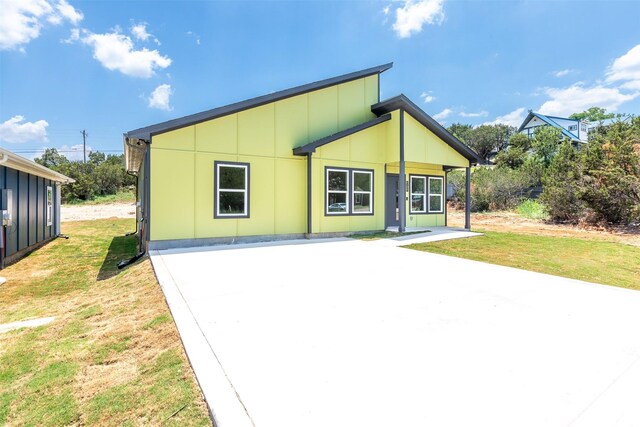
(89, 212)
(510, 221)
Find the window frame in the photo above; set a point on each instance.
(441, 195)
(217, 189)
(354, 192)
(412, 193)
(427, 194)
(350, 192)
(49, 205)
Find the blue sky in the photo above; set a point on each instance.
(109, 67)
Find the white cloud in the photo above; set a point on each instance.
(562, 73)
(578, 97)
(626, 67)
(478, 114)
(15, 131)
(386, 10)
(427, 97)
(513, 118)
(69, 12)
(116, 51)
(74, 152)
(197, 37)
(443, 114)
(160, 97)
(22, 20)
(411, 17)
(139, 31)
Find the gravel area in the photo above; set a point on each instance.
(89, 212)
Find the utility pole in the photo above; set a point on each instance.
(84, 144)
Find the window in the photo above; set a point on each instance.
(349, 191)
(573, 127)
(436, 186)
(232, 190)
(427, 194)
(337, 191)
(49, 206)
(362, 192)
(418, 194)
(583, 127)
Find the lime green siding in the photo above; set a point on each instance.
(422, 146)
(182, 162)
(182, 165)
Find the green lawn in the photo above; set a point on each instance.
(598, 261)
(112, 356)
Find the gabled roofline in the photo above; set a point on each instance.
(550, 122)
(401, 101)
(13, 161)
(311, 147)
(146, 133)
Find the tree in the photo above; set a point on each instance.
(594, 114)
(545, 143)
(521, 141)
(96, 157)
(562, 183)
(513, 157)
(460, 131)
(51, 159)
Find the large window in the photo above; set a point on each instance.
(49, 206)
(427, 194)
(349, 191)
(232, 190)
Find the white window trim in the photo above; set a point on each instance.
(347, 198)
(424, 194)
(49, 206)
(370, 192)
(429, 195)
(245, 213)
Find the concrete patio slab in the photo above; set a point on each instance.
(351, 333)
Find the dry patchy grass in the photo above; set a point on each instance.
(111, 357)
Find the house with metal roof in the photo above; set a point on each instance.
(320, 159)
(29, 205)
(576, 130)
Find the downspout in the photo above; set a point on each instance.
(402, 190)
(309, 196)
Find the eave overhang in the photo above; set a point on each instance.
(146, 133)
(311, 147)
(404, 103)
(13, 161)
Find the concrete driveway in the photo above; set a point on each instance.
(352, 333)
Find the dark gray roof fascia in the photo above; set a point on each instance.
(146, 132)
(401, 101)
(311, 147)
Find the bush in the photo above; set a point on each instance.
(532, 209)
(498, 188)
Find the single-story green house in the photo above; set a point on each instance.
(319, 159)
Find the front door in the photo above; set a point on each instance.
(392, 210)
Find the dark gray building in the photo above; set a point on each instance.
(29, 205)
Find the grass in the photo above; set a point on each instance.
(532, 209)
(592, 260)
(125, 196)
(112, 356)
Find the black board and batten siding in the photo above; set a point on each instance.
(28, 227)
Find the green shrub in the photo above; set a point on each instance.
(499, 188)
(532, 209)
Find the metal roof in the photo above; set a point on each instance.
(13, 161)
(146, 133)
(401, 101)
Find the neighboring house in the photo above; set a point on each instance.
(608, 122)
(322, 159)
(30, 204)
(576, 130)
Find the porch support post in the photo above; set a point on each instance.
(309, 195)
(467, 200)
(402, 191)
